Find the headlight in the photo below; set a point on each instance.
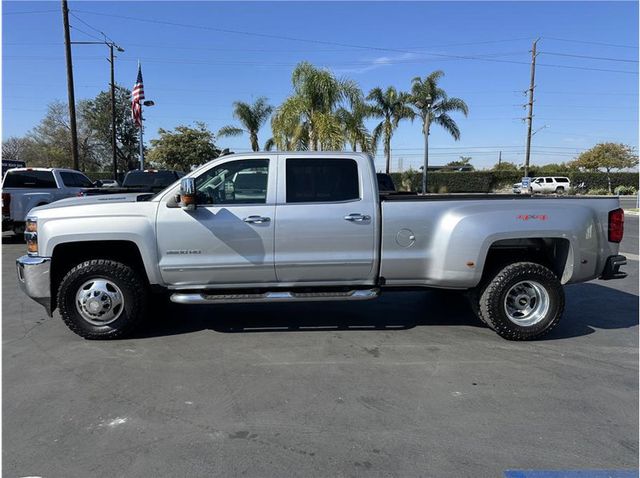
(31, 236)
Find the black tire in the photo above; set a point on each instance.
(492, 309)
(473, 296)
(130, 283)
(560, 190)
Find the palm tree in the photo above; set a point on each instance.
(308, 117)
(252, 117)
(433, 106)
(392, 106)
(353, 128)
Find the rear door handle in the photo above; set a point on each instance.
(356, 217)
(257, 219)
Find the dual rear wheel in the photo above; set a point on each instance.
(522, 301)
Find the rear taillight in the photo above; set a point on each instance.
(616, 225)
(6, 204)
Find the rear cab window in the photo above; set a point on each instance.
(321, 180)
(75, 180)
(29, 179)
(562, 180)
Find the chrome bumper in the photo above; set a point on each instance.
(34, 279)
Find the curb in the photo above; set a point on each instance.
(631, 213)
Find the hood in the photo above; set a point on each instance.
(86, 200)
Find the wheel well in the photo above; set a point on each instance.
(554, 253)
(70, 254)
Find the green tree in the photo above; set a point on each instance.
(463, 162)
(97, 115)
(353, 128)
(252, 117)
(552, 168)
(392, 106)
(607, 156)
(505, 166)
(434, 107)
(183, 148)
(50, 141)
(307, 119)
(15, 148)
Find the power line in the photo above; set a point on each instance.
(104, 35)
(29, 12)
(591, 42)
(588, 57)
(81, 31)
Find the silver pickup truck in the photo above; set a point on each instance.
(26, 188)
(271, 227)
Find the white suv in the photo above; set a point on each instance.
(548, 184)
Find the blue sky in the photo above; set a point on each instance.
(195, 72)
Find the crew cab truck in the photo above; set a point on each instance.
(304, 226)
(26, 188)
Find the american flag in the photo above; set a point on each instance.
(137, 97)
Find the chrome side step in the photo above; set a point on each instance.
(284, 296)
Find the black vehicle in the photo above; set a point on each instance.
(137, 181)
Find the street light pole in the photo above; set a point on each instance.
(145, 103)
(141, 141)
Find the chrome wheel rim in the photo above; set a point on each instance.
(99, 301)
(526, 303)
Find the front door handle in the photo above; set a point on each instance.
(356, 217)
(257, 219)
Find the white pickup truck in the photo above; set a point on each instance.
(269, 227)
(26, 188)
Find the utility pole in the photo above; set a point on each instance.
(500, 157)
(530, 104)
(113, 115)
(70, 90)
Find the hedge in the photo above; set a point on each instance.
(487, 181)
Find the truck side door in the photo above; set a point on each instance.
(228, 239)
(326, 218)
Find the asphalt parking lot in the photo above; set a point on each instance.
(407, 385)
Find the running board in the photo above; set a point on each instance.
(285, 296)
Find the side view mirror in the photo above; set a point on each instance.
(188, 194)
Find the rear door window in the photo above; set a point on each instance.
(30, 180)
(322, 180)
(75, 180)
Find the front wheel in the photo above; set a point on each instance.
(102, 299)
(523, 301)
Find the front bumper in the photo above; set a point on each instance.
(612, 268)
(34, 277)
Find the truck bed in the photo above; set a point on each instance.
(401, 196)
